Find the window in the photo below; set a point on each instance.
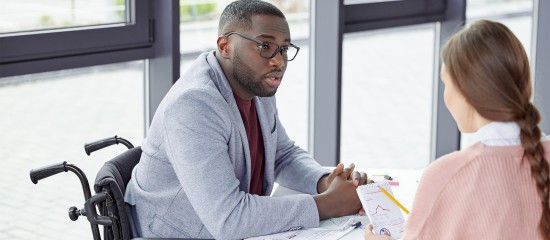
(32, 15)
(67, 84)
(334, 26)
(387, 86)
(59, 46)
(46, 119)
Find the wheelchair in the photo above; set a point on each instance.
(110, 185)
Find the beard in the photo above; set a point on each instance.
(245, 76)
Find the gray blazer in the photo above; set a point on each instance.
(194, 175)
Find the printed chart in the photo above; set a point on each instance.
(385, 216)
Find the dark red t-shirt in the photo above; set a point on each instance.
(251, 123)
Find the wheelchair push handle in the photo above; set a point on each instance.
(44, 172)
(47, 171)
(103, 143)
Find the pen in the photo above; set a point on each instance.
(356, 225)
(393, 199)
(294, 228)
(386, 176)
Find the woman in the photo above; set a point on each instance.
(497, 188)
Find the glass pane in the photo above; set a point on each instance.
(30, 15)
(387, 85)
(46, 119)
(199, 31)
(515, 14)
(491, 9)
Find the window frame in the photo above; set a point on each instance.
(48, 50)
(540, 52)
(329, 22)
(377, 15)
(115, 43)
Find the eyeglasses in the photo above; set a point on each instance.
(269, 50)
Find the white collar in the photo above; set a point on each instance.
(498, 134)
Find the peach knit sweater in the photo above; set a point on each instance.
(482, 192)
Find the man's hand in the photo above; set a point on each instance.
(325, 181)
(340, 198)
(360, 178)
(357, 178)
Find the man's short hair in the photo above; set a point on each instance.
(238, 13)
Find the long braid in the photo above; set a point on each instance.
(490, 67)
(534, 154)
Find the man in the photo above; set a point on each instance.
(216, 146)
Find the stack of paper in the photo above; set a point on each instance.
(330, 229)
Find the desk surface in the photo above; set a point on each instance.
(404, 193)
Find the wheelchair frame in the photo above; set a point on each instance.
(109, 185)
(102, 199)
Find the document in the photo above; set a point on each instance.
(383, 213)
(342, 223)
(305, 234)
(330, 229)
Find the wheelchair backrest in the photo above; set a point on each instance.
(112, 179)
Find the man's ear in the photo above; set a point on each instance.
(223, 46)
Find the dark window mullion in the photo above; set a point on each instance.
(85, 40)
(370, 16)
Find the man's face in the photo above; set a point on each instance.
(255, 75)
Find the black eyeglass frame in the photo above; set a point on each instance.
(279, 49)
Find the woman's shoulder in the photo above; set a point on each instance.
(451, 163)
(434, 181)
(447, 168)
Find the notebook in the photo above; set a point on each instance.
(385, 215)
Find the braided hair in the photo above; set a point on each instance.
(490, 53)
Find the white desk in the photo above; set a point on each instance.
(404, 193)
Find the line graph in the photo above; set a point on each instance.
(381, 208)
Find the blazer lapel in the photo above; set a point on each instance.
(223, 86)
